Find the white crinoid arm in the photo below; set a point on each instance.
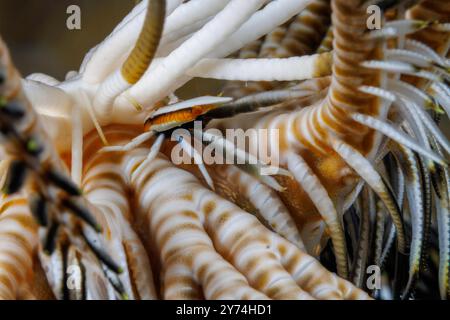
(160, 82)
(240, 29)
(189, 14)
(288, 69)
(108, 55)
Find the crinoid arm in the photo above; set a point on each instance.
(57, 203)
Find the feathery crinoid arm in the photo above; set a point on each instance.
(55, 201)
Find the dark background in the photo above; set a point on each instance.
(39, 41)
(36, 32)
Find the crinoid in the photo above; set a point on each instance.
(356, 182)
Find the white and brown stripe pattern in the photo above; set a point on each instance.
(18, 241)
(206, 250)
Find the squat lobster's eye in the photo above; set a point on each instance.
(147, 124)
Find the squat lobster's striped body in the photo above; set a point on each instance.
(176, 118)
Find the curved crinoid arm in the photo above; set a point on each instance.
(18, 241)
(419, 99)
(55, 201)
(205, 249)
(186, 55)
(318, 194)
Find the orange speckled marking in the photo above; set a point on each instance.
(209, 207)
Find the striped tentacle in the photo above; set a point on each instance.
(201, 236)
(251, 50)
(442, 203)
(308, 128)
(18, 241)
